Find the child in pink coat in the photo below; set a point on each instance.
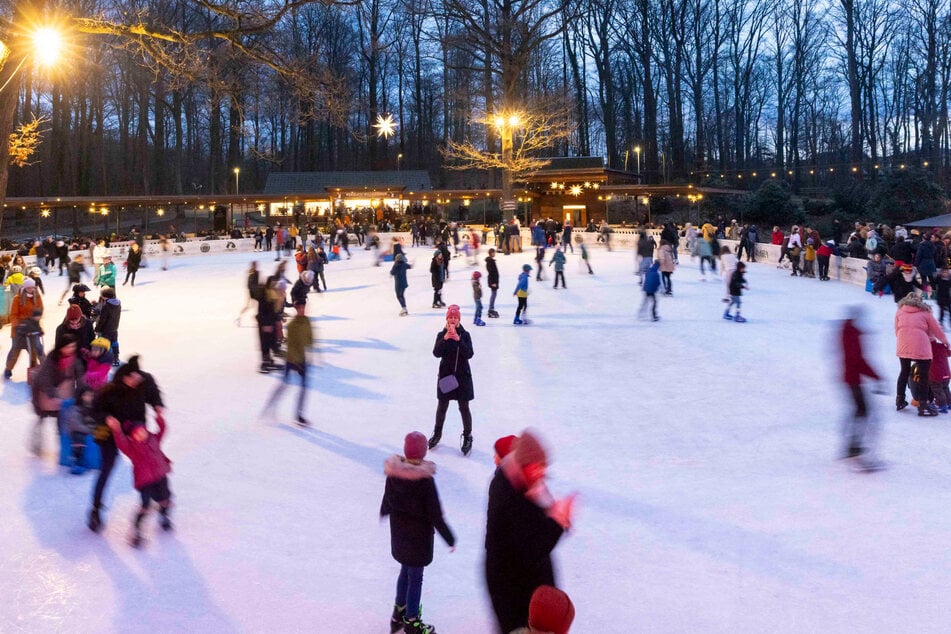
(150, 469)
(939, 375)
(98, 363)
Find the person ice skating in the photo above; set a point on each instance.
(411, 501)
(645, 255)
(76, 421)
(437, 274)
(74, 272)
(400, 283)
(915, 326)
(107, 273)
(903, 281)
(55, 381)
(585, 256)
(99, 362)
(78, 298)
(705, 252)
(550, 611)
(650, 287)
(503, 447)
(939, 376)
(524, 524)
(267, 317)
(857, 432)
(539, 260)
(492, 280)
(132, 263)
(668, 263)
(253, 286)
(727, 266)
(150, 469)
(477, 298)
(453, 348)
(794, 250)
(558, 259)
(521, 292)
(737, 284)
(124, 399)
(823, 255)
(22, 308)
(300, 338)
(943, 295)
(99, 253)
(301, 287)
(77, 326)
(110, 312)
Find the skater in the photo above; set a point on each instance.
(75, 325)
(492, 280)
(398, 271)
(453, 348)
(809, 259)
(76, 421)
(524, 524)
(123, 399)
(539, 260)
(651, 286)
(477, 298)
(914, 328)
(794, 250)
(943, 295)
(22, 307)
(150, 469)
(727, 267)
(566, 237)
(857, 430)
(437, 273)
(300, 338)
(939, 376)
(737, 285)
(55, 381)
(903, 281)
(645, 255)
(99, 360)
(521, 292)
(412, 502)
(585, 257)
(558, 259)
(318, 265)
(253, 286)
(107, 274)
(78, 298)
(268, 317)
(668, 263)
(705, 251)
(110, 312)
(132, 263)
(99, 254)
(74, 272)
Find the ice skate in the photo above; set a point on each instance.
(165, 521)
(404, 313)
(136, 540)
(728, 316)
(740, 320)
(396, 620)
(517, 321)
(416, 626)
(303, 422)
(478, 322)
(494, 314)
(466, 445)
(94, 522)
(434, 440)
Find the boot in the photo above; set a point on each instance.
(466, 445)
(404, 313)
(165, 521)
(900, 403)
(416, 626)
(94, 522)
(434, 439)
(396, 620)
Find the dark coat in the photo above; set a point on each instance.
(125, 404)
(519, 538)
(436, 272)
(134, 260)
(109, 315)
(900, 287)
(84, 305)
(925, 258)
(446, 350)
(903, 252)
(84, 334)
(299, 292)
(737, 282)
(492, 279)
(51, 384)
(398, 271)
(412, 502)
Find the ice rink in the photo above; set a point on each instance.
(703, 452)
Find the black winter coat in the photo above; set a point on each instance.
(412, 502)
(903, 252)
(436, 272)
(134, 260)
(109, 315)
(84, 334)
(493, 273)
(84, 305)
(519, 538)
(900, 287)
(446, 350)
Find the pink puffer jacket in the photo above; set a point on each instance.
(914, 329)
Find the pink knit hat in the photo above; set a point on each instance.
(453, 311)
(415, 446)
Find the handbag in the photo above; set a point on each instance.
(449, 382)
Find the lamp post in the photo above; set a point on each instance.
(237, 174)
(507, 125)
(399, 157)
(637, 151)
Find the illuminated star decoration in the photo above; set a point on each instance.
(385, 126)
(575, 190)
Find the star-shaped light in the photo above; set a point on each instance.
(385, 126)
(575, 190)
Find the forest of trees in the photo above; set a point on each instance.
(168, 96)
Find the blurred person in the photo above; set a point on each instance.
(477, 298)
(75, 325)
(503, 447)
(22, 307)
(74, 271)
(55, 381)
(253, 286)
(650, 287)
(132, 263)
(300, 339)
(857, 432)
(411, 501)
(558, 259)
(524, 524)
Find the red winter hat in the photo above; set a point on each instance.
(550, 610)
(73, 312)
(453, 311)
(529, 450)
(415, 446)
(504, 445)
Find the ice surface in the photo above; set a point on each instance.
(703, 451)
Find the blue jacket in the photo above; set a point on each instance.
(399, 274)
(559, 260)
(522, 284)
(652, 278)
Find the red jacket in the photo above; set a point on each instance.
(855, 364)
(824, 250)
(939, 362)
(149, 464)
(778, 237)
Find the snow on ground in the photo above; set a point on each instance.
(703, 451)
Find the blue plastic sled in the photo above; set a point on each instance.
(869, 287)
(92, 458)
(387, 258)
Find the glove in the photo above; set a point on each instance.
(880, 293)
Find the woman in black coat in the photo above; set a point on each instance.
(454, 349)
(437, 273)
(133, 263)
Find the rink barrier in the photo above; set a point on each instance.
(851, 270)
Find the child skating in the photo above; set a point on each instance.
(477, 298)
(558, 259)
(150, 469)
(585, 257)
(412, 502)
(737, 284)
(521, 292)
(651, 286)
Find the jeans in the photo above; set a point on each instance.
(409, 589)
(400, 298)
(301, 369)
(559, 274)
(109, 453)
(478, 310)
(668, 284)
(495, 291)
(441, 410)
(734, 301)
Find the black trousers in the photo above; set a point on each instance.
(522, 306)
(919, 388)
(441, 409)
(109, 453)
(668, 284)
(560, 274)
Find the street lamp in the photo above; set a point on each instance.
(637, 151)
(47, 43)
(507, 124)
(237, 174)
(399, 157)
